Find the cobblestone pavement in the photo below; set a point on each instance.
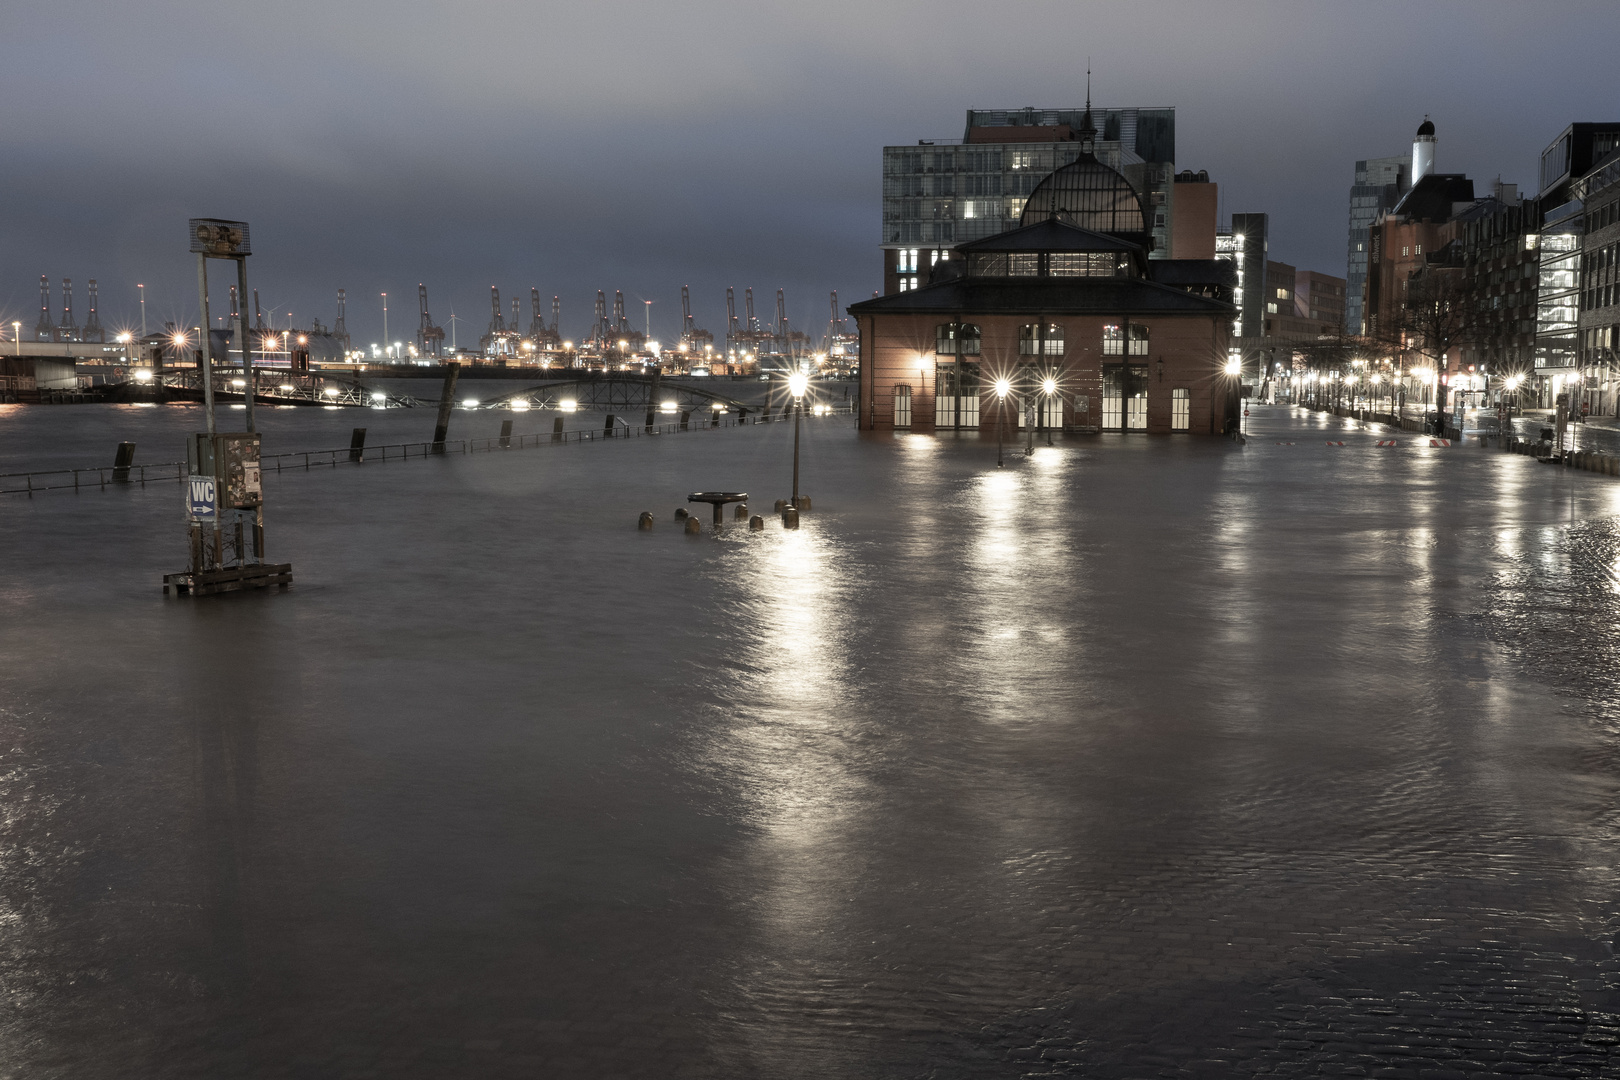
(1140, 757)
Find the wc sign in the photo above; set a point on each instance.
(201, 506)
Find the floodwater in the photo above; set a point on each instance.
(1138, 756)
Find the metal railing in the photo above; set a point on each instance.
(99, 477)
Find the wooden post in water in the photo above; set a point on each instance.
(447, 401)
(121, 463)
(357, 445)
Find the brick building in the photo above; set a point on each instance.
(1067, 313)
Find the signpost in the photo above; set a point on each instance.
(224, 490)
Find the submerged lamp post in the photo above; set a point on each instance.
(1234, 368)
(1002, 386)
(1049, 388)
(798, 382)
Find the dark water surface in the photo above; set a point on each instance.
(1141, 756)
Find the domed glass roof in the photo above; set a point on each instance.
(1088, 194)
(1427, 127)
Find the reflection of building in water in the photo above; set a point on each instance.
(1066, 312)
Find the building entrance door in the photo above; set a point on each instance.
(1124, 397)
(902, 406)
(956, 401)
(1180, 409)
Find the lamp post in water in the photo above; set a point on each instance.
(1049, 389)
(798, 382)
(1234, 368)
(1002, 386)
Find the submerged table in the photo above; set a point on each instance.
(718, 499)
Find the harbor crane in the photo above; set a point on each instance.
(340, 328)
(92, 321)
(258, 315)
(693, 340)
(45, 329)
(69, 330)
(429, 338)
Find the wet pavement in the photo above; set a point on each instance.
(1142, 756)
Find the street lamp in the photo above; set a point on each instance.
(1003, 385)
(1234, 368)
(798, 382)
(1049, 389)
(16, 334)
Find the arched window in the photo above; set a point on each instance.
(956, 339)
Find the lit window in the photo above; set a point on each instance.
(1023, 265)
(1419, 250)
(1282, 294)
(1139, 340)
(1083, 264)
(968, 209)
(1032, 343)
(1113, 341)
(1271, 309)
(1405, 251)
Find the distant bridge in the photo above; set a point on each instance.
(619, 391)
(275, 387)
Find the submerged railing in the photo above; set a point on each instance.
(99, 477)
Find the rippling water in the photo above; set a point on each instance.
(1136, 754)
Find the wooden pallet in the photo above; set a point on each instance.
(230, 579)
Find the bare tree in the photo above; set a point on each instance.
(1439, 316)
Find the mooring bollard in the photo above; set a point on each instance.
(803, 504)
(121, 463)
(790, 518)
(681, 514)
(756, 524)
(694, 527)
(741, 513)
(645, 521)
(557, 430)
(781, 505)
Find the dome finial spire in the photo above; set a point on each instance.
(1088, 130)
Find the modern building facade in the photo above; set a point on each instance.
(1063, 322)
(1320, 298)
(1379, 185)
(1598, 321)
(941, 193)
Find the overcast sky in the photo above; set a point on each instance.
(642, 146)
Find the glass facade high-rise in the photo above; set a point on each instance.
(1379, 185)
(1558, 289)
(940, 193)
